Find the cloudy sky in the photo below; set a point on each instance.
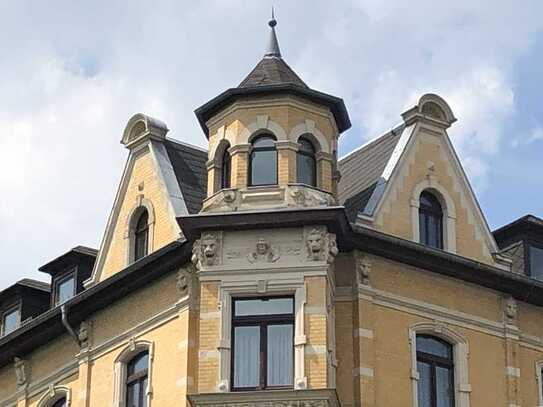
(73, 72)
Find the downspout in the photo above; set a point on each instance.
(67, 325)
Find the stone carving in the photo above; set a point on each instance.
(315, 241)
(264, 252)
(184, 280)
(20, 371)
(363, 269)
(510, 309)
(321, 245)
(83, 334)
(431, 109)
(303, 196)
(206, 250)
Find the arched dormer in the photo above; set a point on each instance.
(273, 100)
(140, 231)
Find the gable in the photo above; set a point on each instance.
(429, 161)
(168, 179)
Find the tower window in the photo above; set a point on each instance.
(436, 372)
(226, 169)
(306, 164)
(430, 221)
(141, 236)
(263, 343)
(263, 161)
(136, 380)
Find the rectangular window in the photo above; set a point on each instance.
(65, 289)
(11, 320)
(536, 263)
(263, 343)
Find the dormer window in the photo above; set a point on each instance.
(11, 319)
(306, 164)
(536, 262)
(65, 288)
(141, 236)
(226, 169)
(263, 161)
(430, 220)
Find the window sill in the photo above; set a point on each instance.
(265, 398)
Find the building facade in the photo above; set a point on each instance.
(266, 271)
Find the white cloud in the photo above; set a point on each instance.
(77, 72)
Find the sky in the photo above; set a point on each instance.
(73, 72)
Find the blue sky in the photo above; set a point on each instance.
(74, 73)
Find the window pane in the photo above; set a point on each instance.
(280, 362)
(444, 387)
(433, 346)
(264, 141)
(11, 321)
(536, 262)
(305, 145)
(247, 356)
(132, 394)
(424, 384)
(264, 167)
(60, 403)
(143, 390)
(65, 290)
(263, 307)
(305, 169)
(138, 364)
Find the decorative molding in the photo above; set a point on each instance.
(264, 252)
(54, 394)
(207, 251)
(21, 372)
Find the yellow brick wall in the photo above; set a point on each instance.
(208, 361)
(286, 167)
(164, 229)
(240, 168)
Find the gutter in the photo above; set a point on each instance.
(64, 312)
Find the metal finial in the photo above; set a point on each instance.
(273, 44)
(272, 23)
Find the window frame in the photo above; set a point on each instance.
(6, 311)
(70, 273)
(257, 149)
(137, 377)
(146, 229)
(226, 176)
(427, 212)
(528, 244)
(438, 361)
(313, 157)
(263, 321)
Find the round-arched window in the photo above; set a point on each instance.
(306, 164)
(141, 236)
(263, 161)
(430, 220)
(226, 169)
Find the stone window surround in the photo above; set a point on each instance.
(129, 235)
(132, 349)
(539, 379)
(432, 185)
(462, 388)
(257, 288)
(54, 394)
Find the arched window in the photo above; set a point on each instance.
(306, 164)
(435, 367)
(60, 403)
(141, 236)
(430, 220)
(263, 161)
(226, 169)
(136, 380)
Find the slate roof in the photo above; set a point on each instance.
(272, 71)
(362, 170)
(189, 165)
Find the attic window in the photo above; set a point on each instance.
(65, 288)
(433, 110)
(141, 236)
(11, 319)
(536, 262)
(430, 221)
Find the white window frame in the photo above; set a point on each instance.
(54, 394)
(462, 388)
(228, 290)
(121, 362)
(432, 185)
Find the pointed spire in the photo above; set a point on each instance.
(273, 45)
